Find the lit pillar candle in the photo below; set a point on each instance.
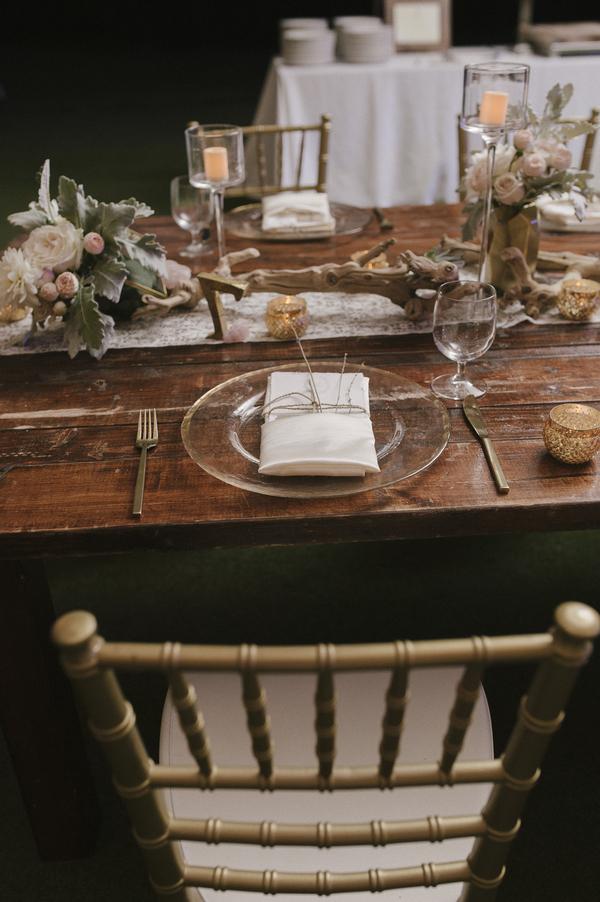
(216, 165)
(494, 105)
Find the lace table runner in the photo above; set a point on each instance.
(332, 315)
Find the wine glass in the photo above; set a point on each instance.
(192, 209)
(216, 159)
(494, 101)
(464, 325)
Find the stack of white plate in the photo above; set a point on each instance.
(302, 24)
(307, 47)
(368, 43)
(341, 22)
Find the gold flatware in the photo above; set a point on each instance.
(384, 222)
(478, 424)
(147, 437)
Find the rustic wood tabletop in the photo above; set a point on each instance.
(67, 430)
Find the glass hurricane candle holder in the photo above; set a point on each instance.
(216, 159)
(494, 102)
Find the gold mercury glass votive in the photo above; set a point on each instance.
(287, 317)
(577, 298)
(572, 433)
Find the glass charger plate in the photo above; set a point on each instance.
(221, 433)
(246, 222)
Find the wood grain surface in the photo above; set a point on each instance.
(68, 427)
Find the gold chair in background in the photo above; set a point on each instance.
(264, 147)
(89, 661)
(586, 154)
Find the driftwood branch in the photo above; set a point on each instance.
(535, 296)
(586, 265)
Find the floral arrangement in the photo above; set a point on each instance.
(537, 162)
(80, 262)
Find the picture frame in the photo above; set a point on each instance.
(419, 24)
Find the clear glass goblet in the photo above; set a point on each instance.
(192, 209)
(216, 159)
(464, 325)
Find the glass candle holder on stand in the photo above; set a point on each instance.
(494, 102)
(216, 160)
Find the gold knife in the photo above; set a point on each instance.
(475, 418)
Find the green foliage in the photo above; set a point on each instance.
(85, 325)
(74, 205)
(144, 250)
(109, 277)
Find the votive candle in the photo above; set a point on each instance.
(216, 164)
(493, 109)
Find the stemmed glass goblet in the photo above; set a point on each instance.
(192, 209)
(216, 159)
(494, 101)
(464, 325)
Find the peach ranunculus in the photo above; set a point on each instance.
(533, 164)
(508, 189)
(560, 158)
(58, 247)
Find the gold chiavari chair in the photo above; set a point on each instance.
(90, 662)
(264, 147)
(586, 154)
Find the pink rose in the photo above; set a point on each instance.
(560, 158)
(93, 243)
(533, 164)
(46, 276)
(508, 189)
(48, 292)
(522, 139)
(67, 284)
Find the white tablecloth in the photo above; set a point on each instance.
(394, 138)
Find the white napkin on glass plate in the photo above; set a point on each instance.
(559, 215)
(338, 440)
(297, 211)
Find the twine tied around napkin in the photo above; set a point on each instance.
(305, 435)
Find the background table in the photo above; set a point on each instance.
(68, 426)
(394, 131)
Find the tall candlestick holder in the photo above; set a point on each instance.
(216, 160)
(494, 102)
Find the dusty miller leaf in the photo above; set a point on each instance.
(85, 325)
(556, 100)
(74, 205)
(144, 249)
(142, 210)
(45, 202)
(574, 129)
(29, 219)
(109, 277)
(111, 220)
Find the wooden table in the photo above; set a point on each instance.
(69, 428)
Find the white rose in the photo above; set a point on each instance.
(508, 189)
(18, 279)
(58, 247)
(476, 175)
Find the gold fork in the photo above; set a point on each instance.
(147, 437)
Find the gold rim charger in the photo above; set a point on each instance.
(246, 222)
(221, 433)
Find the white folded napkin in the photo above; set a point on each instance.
(335, 441)
(301, 211)
(560, 214)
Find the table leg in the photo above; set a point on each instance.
(40, 722)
